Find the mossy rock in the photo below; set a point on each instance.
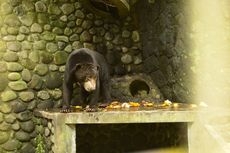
(14, 67)
(43, 94)
(60, 57)
(1, 117)
(18, 85)
(34, 56)
(40, 6)
(41, 69)
(14, 76)
(14, 46)
(58, 23)
(4, 136)
(27, 148)
(24, 116)
(27, 126)
(10, 56)
(85, 37)
(67, 8)
(3, 67)
(48, 36)
(3, 81)
(27, 45)
(22, 136)
(24, 30)
(11, 145)
(13, 30)
(57, 30)
(42, 18)
(27, 19)
(53, 80)
(46, 57)
(18, 106)
(6, 8)
(51, 47)
(54, 9)
(28, 5)
(28, 64)
(62, 38)
(79, 14)
(5, 108)
(12, 20)
(36, 28)
(10, 118)
(36, 82)
(2, 46)
(8, 95)
(26, 75)
(26, 96)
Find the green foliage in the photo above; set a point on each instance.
(40, 144)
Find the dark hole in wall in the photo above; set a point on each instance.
(137, 87)
(130, 138)
(103, 6)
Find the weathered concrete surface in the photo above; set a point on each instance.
(204, 134)
(64, 123)
(153, 116)
(64, 136)
(206, 128)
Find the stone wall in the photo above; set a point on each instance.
(165, 36)
(44, 139)
(36, 38)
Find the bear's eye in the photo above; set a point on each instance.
(88, 79)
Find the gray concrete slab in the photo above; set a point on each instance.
(65, 133)
(111, 117)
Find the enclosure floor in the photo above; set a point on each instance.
(166, 150)
(219, 126)
(215, 136)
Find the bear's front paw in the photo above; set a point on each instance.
(65, 109)
(91, 108)
(103, 105)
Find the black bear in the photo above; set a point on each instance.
(89, 70)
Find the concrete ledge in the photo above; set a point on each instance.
(65, 123)
(111, 117)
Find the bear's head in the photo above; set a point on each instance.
(86, 76)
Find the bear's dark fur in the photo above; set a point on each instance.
(84, 63)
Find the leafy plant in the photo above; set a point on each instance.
(40, 144)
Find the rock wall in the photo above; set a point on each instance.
(44, 139)
(36, 38)
(165, 36)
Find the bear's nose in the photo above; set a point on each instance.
(90, 85)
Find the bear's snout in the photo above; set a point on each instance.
(90, 85)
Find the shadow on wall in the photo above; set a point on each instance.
(130, 138)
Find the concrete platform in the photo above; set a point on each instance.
(65, 123)
(113, 117)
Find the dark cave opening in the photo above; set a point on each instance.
(138, 87)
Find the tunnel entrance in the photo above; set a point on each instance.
(138, 88)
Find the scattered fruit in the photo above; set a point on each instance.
(125, 105)
(167, 102)
(132, 106)
(147, 104)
